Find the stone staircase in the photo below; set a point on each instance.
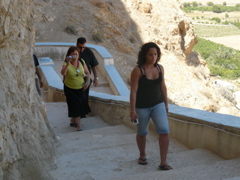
(103, 152)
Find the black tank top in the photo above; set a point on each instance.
(149, 92)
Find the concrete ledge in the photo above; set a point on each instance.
(218, 133)
(106, 67)
(117, 81)
(46, 61)
(52, 78)
(53, 85)
(199, 135)
(225, 122)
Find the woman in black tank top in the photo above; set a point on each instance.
(148, 100)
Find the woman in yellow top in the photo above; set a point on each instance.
(74, 85)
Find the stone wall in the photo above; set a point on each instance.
(193, 128)
(26, 140)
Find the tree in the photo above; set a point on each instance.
(216, 9)
(194, 4)
(210, 4)
(186, 4)
(218, 20)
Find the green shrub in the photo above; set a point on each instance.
(218, 20)
(210, 4)
(211, 7)
(222, 52)
(194, 4)
(71, 30)
(222, 61)
(186, 4)
(237, 5)
(226, 23)
(97, 38)
(217, 9)
(237, 24)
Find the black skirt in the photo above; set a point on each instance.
(85, 100)
(74, 99)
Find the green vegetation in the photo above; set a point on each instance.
(97, 38)
(237, 24)
(194, 6)
(218, 20)
(205, 30)
(222, 61)
(71, 30)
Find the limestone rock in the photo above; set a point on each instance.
(26, 139)
(145, 7)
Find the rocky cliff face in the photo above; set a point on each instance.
(121, 25)
(26, 140)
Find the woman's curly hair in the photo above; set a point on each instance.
(144, 50)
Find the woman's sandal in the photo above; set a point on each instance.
(165, 167)
(73, 124)
(142, 161)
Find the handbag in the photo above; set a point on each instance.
(85, 77)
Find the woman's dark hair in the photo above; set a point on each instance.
(72, 49)
(144, 50)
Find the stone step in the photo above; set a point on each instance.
(113, 162)
(221, 170)
(110, 136)
(58, 117)
(111, 152)
(108, 152)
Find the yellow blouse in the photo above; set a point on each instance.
(74, 76)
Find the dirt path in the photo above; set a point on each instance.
(229, 41)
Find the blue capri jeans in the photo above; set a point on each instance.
(159, 117)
